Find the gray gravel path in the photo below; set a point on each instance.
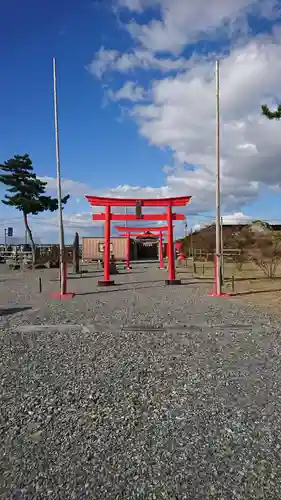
(138, 392)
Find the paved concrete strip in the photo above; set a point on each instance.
(94, 327)
(63, 327)
(40, 328)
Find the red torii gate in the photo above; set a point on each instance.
(108, 216)
(131, 231)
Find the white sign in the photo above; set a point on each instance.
(101, 247)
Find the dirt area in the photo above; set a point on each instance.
(250, 282)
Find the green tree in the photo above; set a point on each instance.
(27, 191)
(271, 115)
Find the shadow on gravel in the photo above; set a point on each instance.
(199, 279)
(88, 275)
(13, 310)
(148, 281)
(153, 284)
(132, 271)
(98, 292)
(78, 277)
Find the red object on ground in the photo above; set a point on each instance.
(169, 216)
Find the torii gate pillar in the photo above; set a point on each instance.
(106, 261)
(171, 254)
(161, 262)
(128, 265)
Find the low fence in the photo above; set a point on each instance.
(202, 255)
(45, 255)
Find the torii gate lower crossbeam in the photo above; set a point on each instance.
(169, 216)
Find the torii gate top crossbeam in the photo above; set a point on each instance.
(143, 229)
(100, 201)
(150, 235)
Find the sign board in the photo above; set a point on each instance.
(10, 231)
(101, 247)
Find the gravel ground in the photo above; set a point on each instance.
(137, 392)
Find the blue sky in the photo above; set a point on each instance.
(136, 104)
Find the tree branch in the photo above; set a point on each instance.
(271, 115)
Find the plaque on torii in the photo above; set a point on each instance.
(169, 216)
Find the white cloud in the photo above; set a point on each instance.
(135, 5)
(230, 219)
(112, 60)
(181, 117)
(129, 92)
(74, 188)
(237, 218)
(72, 222)
(183, 21)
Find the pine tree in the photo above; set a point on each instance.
(27, 191)
(271, 115)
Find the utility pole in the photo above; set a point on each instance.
(60, 219)
(218, 216)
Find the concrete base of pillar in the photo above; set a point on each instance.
(172, 282)
(221, 295)
(106, 283)
(62, 296)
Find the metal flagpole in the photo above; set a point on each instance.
(218, 216)
(60, 219)
(222, 257)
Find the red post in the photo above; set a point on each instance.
(128, 252)
(161, 263)
(106, 281)
(171, 253)
(107, 244)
